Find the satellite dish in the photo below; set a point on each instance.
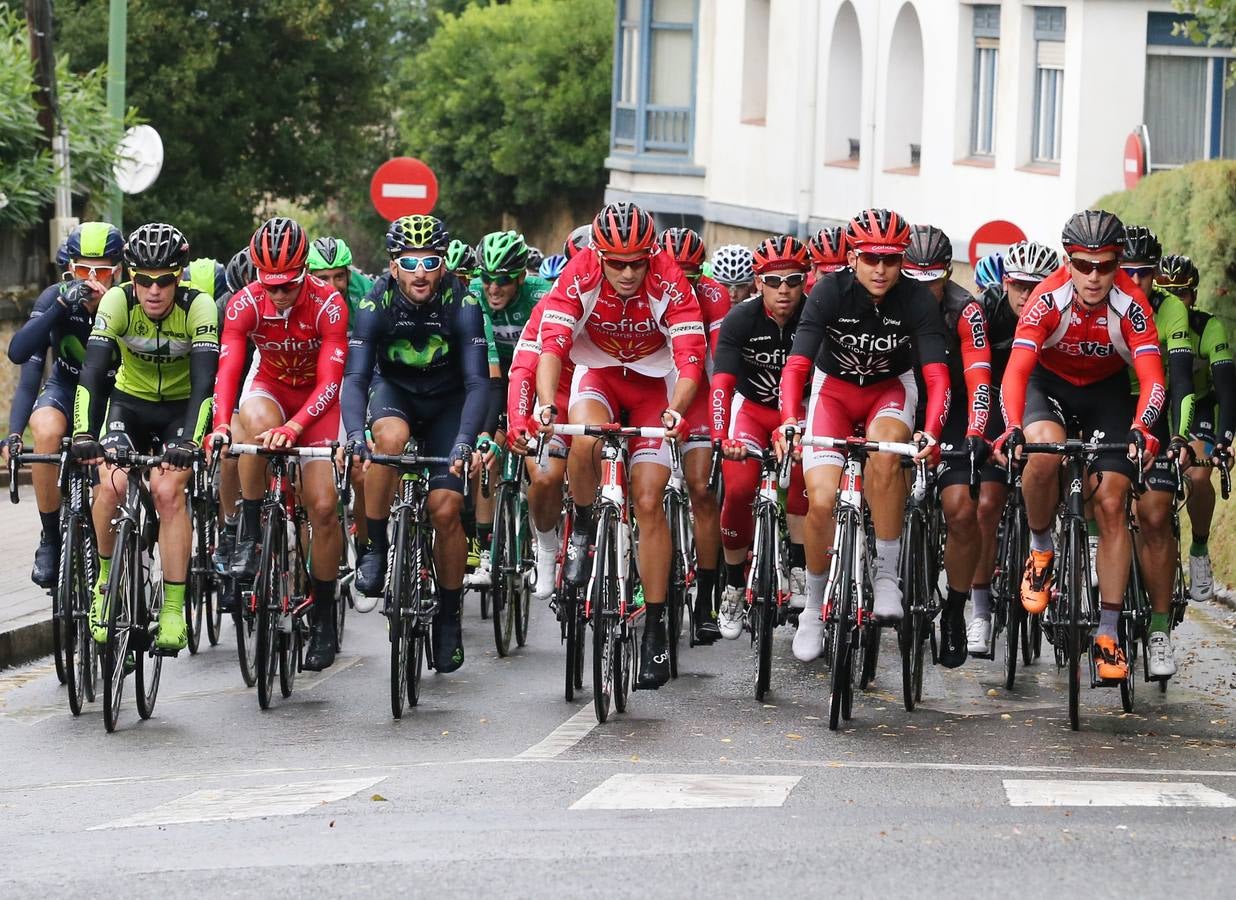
(139, 159)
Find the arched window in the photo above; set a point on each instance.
(843, 131)
(903, 109)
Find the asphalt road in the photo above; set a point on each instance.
(495, 786)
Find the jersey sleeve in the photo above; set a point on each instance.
(521, 384)
(239, 321)
(332, 322)
(1214, 347)
(368, 333)
(34, 337)
(203, 322)
(685, 327)
(1038, 319)
(473, 356)
(1172, 320)
(932, 347)
(110, 322)
(27, 392)
(1142, 338)
(563, 308)
(976, 366)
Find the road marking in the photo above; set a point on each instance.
(1043, 792)
(564, 737)
(629, 790)
(229, 804)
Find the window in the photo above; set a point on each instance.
(654, 77)
(1189, 113)
(1048, 82)
(986, 67)
(755, 62)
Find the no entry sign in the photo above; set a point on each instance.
(993, 236)
(403, 186)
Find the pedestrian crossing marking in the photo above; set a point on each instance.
(668, 791)
(564, 737)
(1045, 792)
(230, 804)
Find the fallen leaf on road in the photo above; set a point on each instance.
(794, 737)
(377, 798)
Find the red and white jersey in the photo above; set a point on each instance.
(521, 376)
(714, 301)
(658, 330)
(302, 348)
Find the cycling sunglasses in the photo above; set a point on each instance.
(412, 263)
(892, 260)
(501, 278)
(775, 281)
(619, 265)
(1139, 271)
(87, 271)
(167, 279)
(1087, 266)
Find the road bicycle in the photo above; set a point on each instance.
(768, 590)
(679, 608)
(202, 594)
(511, 558)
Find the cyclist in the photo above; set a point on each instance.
(733, 267)
(1026, 264)
(167, 338)
(461, 261)
(929, 260)
(60, 322)
(510, 293)
(299, 325)
(1214, 385)
(1077, 336)
(828, 253)
(417, 338)
(989, 273)
(1158, 545)
(552, 267)
(686, 247)
(860, 333)
(751, 350)
(625, 312)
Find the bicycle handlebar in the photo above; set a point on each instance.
(857, 443)
(298, 452)
(626, 432)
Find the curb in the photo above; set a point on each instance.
(1224, 597)
(26, 644)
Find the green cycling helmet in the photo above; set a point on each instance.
(460, 255)
(416, 233)
(328, 253)
(502, 251)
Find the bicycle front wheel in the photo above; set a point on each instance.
(1076, 572)
(764, 609)
(504, 569)
(604, 603)
(843, 602)
(119, 621)
(268, 599)
(676, 597)
(400, 607)
(149, 665)
(67, 604)
(527, 563)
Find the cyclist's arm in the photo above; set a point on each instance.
(367, 334)
(1215, 347)
(332, 325)
(1039, 318)
(558, 323)
(807, 341)
(203, 364)
(684, 325)
(497, 394)
(474, 362)
(1175, 327)
(976, 364)
(34, 337)
(932, 349)
(239, 321)
(110, 322)
(27, 391)
(521, 379)
(727, 366)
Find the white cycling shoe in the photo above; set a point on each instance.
(729, 619)
(798, 588)
(887, 606)
(479, 577)
(978, 636)
(543, 587)
(1201, 578)
(809, 638)
(1161, 659)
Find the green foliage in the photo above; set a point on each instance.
(1213, 24)
(27, 177)
(254, 101)
(1193, 211)
(510, 106)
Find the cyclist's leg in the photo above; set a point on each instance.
(321, 503)
(891, 419)
(544, 510)
(1044, 423)
(592, 403)
(389, 417)
(992, 496)
(229, 500)
(49, 423)
(649, 475)
(1201, 502)
(1157, 549)
(167, 490)
(108, 495)
(437, 431)
(259, 412)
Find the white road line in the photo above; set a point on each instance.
(226, 805)
(1044, 792)
(564, 737)
(629, 790)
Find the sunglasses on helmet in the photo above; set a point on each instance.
(1088, 266)
(167, 279)
(412, 263)
(775, 281)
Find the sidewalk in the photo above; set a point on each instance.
(25, 610)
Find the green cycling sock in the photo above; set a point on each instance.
(105, 570)
(1199, 547)
(174, 595)
(1160, 622)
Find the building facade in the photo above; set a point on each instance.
(746, 117)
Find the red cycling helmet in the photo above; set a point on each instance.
(878, 231)
(781, 252)
(828, 249)
(279, 249)
(685, 246)
(623, 228)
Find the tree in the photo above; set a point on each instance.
(27, 177)
(254, 101)
(1213, 23)
(510, 106)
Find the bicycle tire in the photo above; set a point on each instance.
(604, 608)
(677, 584)
(88, 649)
(571, 628)
(291, 642)
(909, 633)
(400, 607)
(118, 621)
(764, 608)
(58, 650)
(64, 616)
(245, 622)
(503, 569)
(624, 665)
(1075, 563)
(1012, 561)
(149, 665)
(527, 564)
(199, 573)
(347, 566)
(268, 600)
(841, 601)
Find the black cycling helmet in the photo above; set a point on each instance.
(1178, 272)
(536, 256)
(156, 245)
(929, 248)
(240, 270)
(1094, 230)
(417, 233)
(1141, 245)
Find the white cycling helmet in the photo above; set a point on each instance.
(1029, 261)
(733, 264)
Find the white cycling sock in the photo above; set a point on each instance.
(547, 540)
(1041, 541)
(982, 601)
(888, 557)
(815, 589)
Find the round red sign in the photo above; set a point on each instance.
(403, 186)
(993, 236)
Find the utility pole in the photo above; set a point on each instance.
(117, 38)
(39, 23)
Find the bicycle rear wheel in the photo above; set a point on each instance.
(842, 603)
(119, 620)
(149, 665)
(504, 569)
(399, 604)
(604, 603)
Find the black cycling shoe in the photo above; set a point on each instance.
(321, 652)
(46, 562)
(223, 551)
(578, 564)
(245, 560)
(447, 635)
(954, 648)
(706, 629)
(654, 668)
(371, 571)
(229, 597)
